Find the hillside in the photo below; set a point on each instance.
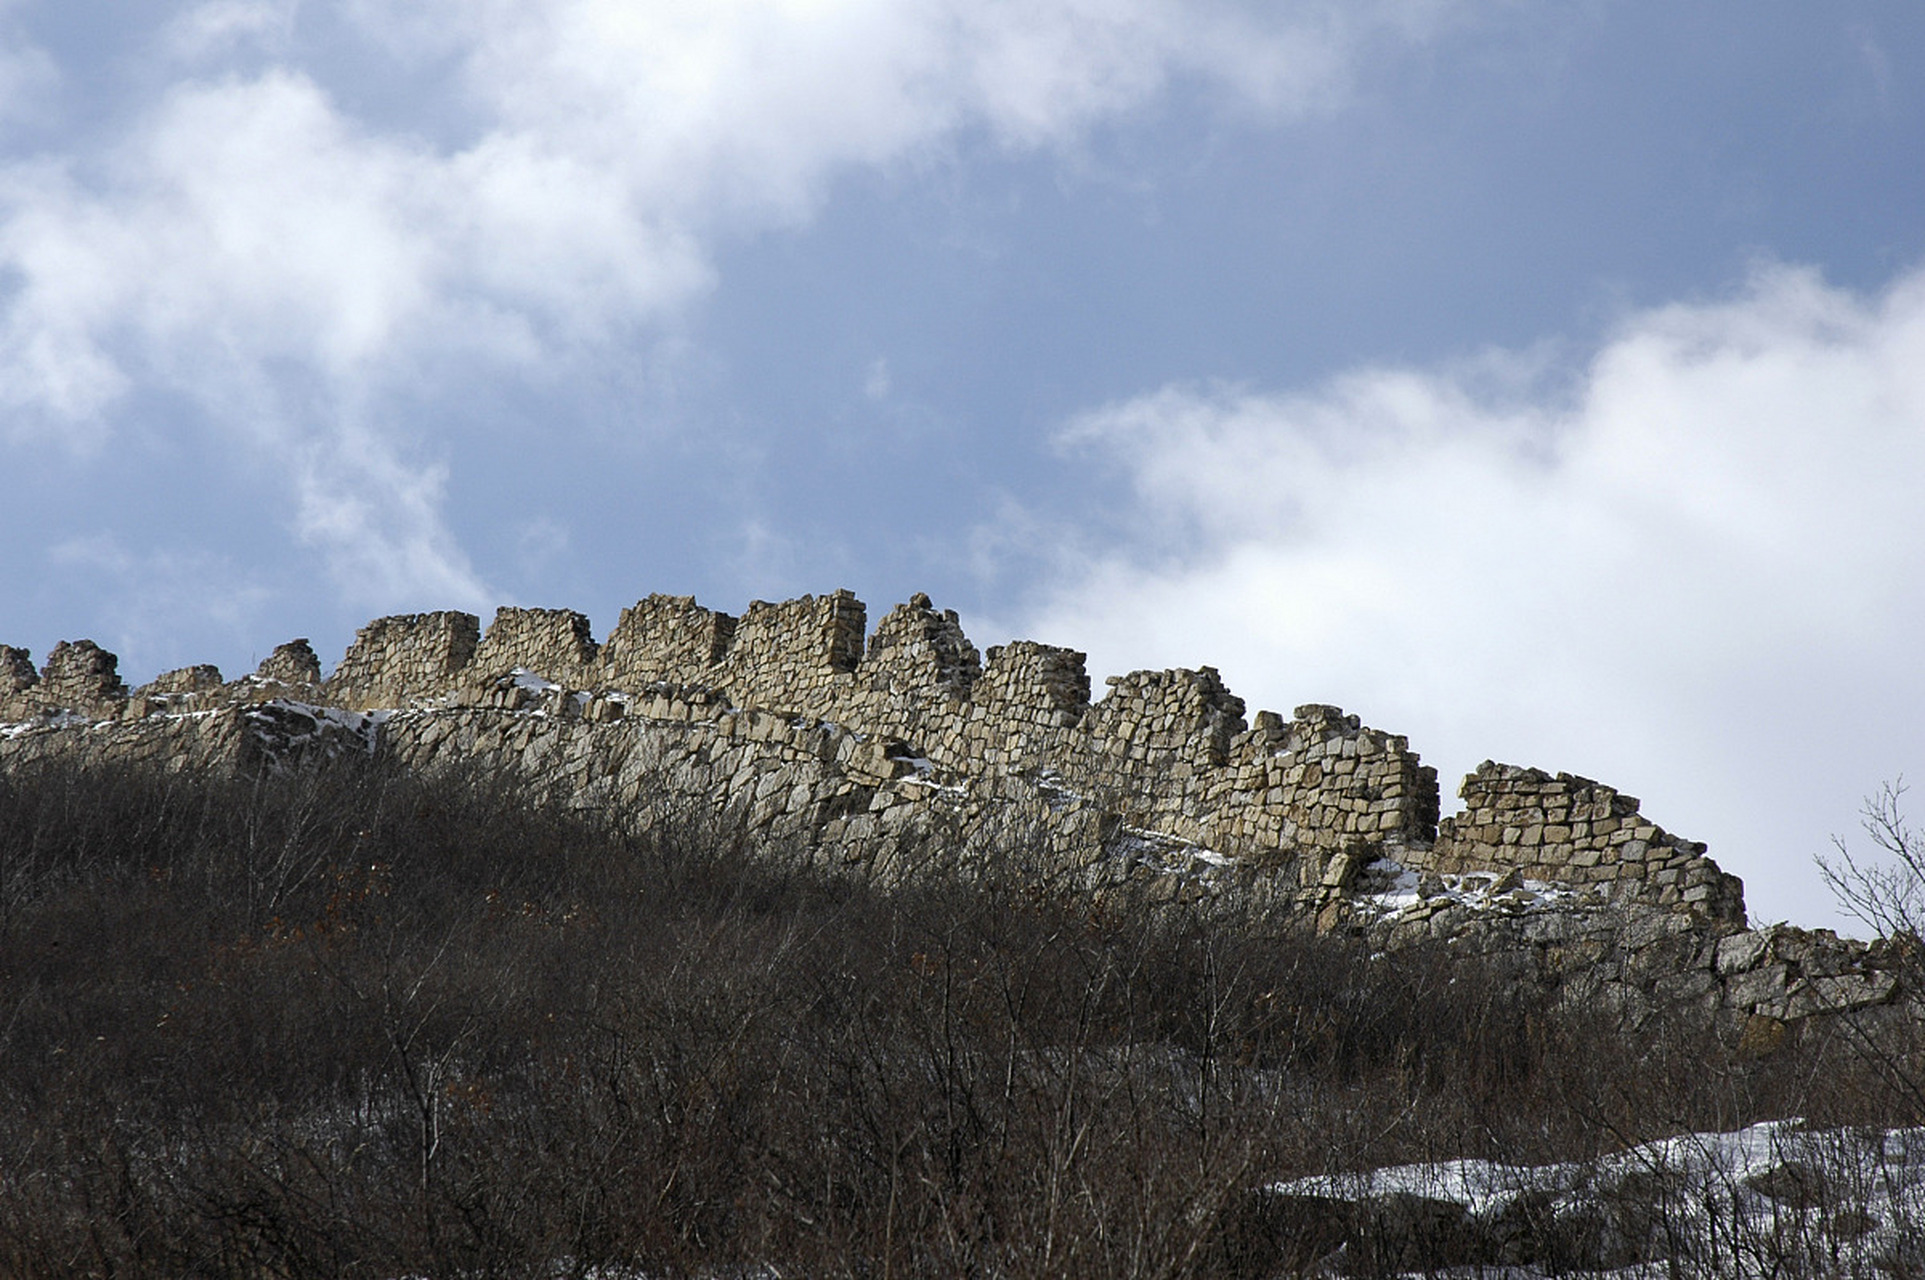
(748, 942)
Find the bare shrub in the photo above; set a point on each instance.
(347, 1021)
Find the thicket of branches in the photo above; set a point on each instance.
(349, 1022)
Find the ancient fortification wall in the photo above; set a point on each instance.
(404, 659)
(908, 746)
(1580, 832)
(1168, 755)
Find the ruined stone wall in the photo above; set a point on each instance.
(675, 754)
(918, 675)
(79, 677)
(800, 655)
(1168, 754)
(402, 659)
(680, 754)
(1575, 831)
(203, 678)
(293, 663)
(17, 679)
(1326, 783)
(666, 639)
(1622, 960)
(557, 644)
(235, 738)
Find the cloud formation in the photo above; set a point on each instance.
(1693, 566)
(256, 248)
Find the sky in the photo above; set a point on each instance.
(1543, 382)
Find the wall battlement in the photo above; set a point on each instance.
(1315, 798)
(1576, 831)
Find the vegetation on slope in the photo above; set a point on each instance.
(347, 1022)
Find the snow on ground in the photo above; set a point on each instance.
(1773, 1199)
(1389, 890)
(284, 726)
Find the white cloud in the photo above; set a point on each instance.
(1697, 571)
(215, 27)
(252, 247)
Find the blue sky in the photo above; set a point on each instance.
(1544, 382)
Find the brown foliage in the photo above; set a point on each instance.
(344, 1022)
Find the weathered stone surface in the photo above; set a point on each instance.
(197, 679)
(80, 677)
(404, 659)
(293, 663)
(555, 644)
(1550, 827)
(17, 679)
(915, 748)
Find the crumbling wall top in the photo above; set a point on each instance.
(556, 644)
(799, 655)
(81, 676)
(16, 671)
(666, 638)
(202, 678)
(1187, 712)
(293, 663)
(1025, 674)
(1569, 829)
(405, 657)
(917, 651)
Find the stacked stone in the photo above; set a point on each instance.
(1319, 785)
(666, 638)
(1156, 716)
(1035, 683)
(919, 654)
(223, 740)
(398, 660)
(293, 663)
(1024, 711)
(168, 743)
(918, 675)
(203, 678)
(17, 679)
(1572, 830)
(798, 656)
(1619, 958)
(82, 677)
(1166, 753)
(196, 688)
(555, 644)
(1153, 748)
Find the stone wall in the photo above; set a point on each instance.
(1168, 754)
(685, 754)
(17, 679)
(1575, 831)
(666, 638)
(293, 663)
(557, 643)
(800, 655)
(79, 677)
(239, 737)
(919, 672)
(1328, 784)
(1622, 960)
(410, 657)
(197, 679)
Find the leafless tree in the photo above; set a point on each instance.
(1884, 891)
